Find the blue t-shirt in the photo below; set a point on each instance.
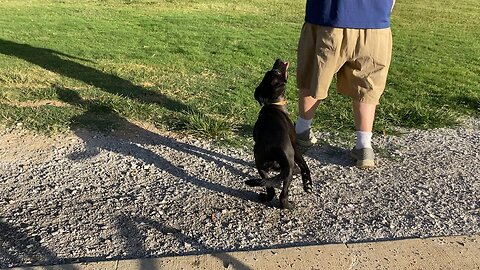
(349, 13)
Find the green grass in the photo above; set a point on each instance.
(192, 66)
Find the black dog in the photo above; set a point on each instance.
(274, 136)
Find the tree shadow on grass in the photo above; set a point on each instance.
(64, 65)
(469, 102)
(55, 61)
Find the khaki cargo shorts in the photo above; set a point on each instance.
(359, 57)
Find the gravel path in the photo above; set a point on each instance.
(86, 196)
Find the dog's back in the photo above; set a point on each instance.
(272, 133)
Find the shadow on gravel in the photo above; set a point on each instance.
(131, 232)
(17, 248)
(133, 240)
(328, 154)
(65, 65)
(135, 135)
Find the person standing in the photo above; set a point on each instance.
(352, 40)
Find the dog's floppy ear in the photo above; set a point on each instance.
(257, 95)
(262, 87)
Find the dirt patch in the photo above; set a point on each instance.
(40, 103)
(25, 145)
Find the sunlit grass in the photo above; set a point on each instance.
(192, 66)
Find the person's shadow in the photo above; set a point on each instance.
(326, 153)
(16, 247)
(136, 138)
(131, 233)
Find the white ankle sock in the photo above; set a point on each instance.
(364, 139)
(302, 124)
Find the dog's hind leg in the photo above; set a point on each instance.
(266, 197)
(265, 181)
(305, 172)
(285, 204)
(286, 160)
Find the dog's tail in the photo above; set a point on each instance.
(275, 182)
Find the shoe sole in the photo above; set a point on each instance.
(363, 164)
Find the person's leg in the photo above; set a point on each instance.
(363, 78)
(307, 105)
(364, 115)
(318, 59)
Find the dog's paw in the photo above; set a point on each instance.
(263, 197)
(287, 205)
(254, 182)
(308, 188)
(307, 183)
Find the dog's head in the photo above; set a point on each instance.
(272, 87)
